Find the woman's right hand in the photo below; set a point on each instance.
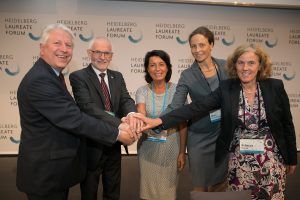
(148, 122)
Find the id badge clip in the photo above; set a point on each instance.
(215, 116)
(162, 137)
(110, 113)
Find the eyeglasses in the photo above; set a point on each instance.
(100, 53)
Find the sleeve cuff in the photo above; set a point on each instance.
(158, 129)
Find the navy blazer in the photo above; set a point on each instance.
(52, 154)
(90, 99)
(226, 97)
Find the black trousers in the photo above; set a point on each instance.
(109, 167)
(54, 196)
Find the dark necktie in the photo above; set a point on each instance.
(62, 80)
(107, 99)
(105, 91)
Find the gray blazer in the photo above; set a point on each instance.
(192, 82)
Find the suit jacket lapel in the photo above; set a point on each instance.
(95, 80)
(268, 102)
(112, 87)
(52, 73)
(235, 94)
(200, 76)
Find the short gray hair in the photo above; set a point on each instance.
(47, 30)
(91, 43)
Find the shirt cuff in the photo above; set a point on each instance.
(119, 132)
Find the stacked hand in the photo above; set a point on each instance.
(126, 136)
(133, 125)
(131, 128)
(148, 123)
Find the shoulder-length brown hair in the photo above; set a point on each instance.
(265, 68)
(164, 56)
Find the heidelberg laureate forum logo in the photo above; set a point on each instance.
(170, 31)
(283, 70)
(183, 63)
(19, 26)
(8, 65)
(9, 68)
(124, 30)
(15, 27)
(294, 36)
(10, 131)
(137, 65)
(286, 71)
(7, 132)
(78, 27)
(222, 33)
(262, 35)
(288, 68)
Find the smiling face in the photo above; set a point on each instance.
(57, 51)
(247, 67)
(157, 68)
(200, 48)
(100, 54)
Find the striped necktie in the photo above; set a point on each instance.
(105, 91)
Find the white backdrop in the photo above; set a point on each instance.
(135, 28)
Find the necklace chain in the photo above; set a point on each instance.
(249, 91)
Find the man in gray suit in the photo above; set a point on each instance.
(52, 155)
(102, 93)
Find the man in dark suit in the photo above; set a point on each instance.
(108, 104)
(52, 155)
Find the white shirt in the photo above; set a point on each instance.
(97, 71)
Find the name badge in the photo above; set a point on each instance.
(249, 146)
(215, 116)
(161, 139)
(154, 137)
(110, 113)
